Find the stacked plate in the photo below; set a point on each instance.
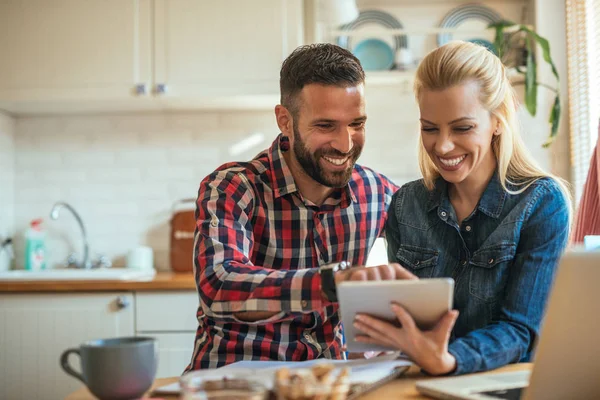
(471, 17)
(374, 53)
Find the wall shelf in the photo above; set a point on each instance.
(405, 79)
(392, 77)
(416, 31)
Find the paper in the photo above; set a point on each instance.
(173, 388)
(361, 371)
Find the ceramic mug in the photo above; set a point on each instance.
(404, 59)
(141, 257)
(115, 369)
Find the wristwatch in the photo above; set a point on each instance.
(327, 272)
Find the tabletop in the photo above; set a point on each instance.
(401, 388)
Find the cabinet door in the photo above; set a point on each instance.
(174, 353)
(225, 47)
(166, 311)
(73, 49)
(36, 328)
(170, 317)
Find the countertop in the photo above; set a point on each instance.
(162, 281)
(401, 388)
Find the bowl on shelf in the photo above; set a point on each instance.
(374, 55)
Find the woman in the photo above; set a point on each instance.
(484, 214)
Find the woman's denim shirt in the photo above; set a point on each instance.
(503, 258)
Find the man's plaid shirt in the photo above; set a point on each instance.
(258, 246)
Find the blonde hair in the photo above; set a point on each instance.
(460, 62)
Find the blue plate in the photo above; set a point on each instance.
(463, 14)
(367, 17)
(374, 55)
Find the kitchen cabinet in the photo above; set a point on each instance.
(36, 328)
(56, 50)
(174, 352)
(223, 48)
(170, 317)
(142, 53)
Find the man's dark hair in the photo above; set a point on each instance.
(322, 63)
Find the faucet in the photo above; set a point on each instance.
(85, 263)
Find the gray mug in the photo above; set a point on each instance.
(115, 369)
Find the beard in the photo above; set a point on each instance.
(310, 162)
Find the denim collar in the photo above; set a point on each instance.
(491, 201)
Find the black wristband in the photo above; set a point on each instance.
(328, 278)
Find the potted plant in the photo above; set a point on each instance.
(515, 46)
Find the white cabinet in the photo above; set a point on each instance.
(226, 47)
(174, 352)
(36, 328)
(73, 49)
(166, 311)
(144, 52)
(170, 317)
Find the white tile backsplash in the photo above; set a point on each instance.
(7, 167)
(122, 173)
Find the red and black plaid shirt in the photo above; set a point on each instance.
(258, 246)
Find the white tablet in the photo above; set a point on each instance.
(427, 300)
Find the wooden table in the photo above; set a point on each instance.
(402, 388)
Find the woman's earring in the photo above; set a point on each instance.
(284, 143)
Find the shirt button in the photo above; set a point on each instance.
(468, 228)
(214, 222)
(304, 303)
(443, 214)
(463, 262)
(307, 336)
(491, 261)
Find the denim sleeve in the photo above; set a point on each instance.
(543, 237)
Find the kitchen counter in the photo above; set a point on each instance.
(162, 281)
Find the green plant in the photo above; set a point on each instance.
(507, 34)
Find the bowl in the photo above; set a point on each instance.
(374, 55)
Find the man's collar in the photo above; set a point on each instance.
(283, 180)
(281, 176)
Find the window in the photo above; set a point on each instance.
(583, 49)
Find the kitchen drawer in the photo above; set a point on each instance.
(166, 311)
(174, 353)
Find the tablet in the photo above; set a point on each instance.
(427, 300)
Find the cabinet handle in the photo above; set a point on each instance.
(122, 302)
(140, 89)
(161, 88)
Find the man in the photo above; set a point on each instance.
(274, 235)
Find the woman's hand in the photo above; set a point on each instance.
(428, 349)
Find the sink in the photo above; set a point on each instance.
(71, 274)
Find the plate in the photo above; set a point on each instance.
(374, 55)
(472, 17)
(370, 19)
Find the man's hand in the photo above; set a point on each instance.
(384, 272)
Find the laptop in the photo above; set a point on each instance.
(567, 358)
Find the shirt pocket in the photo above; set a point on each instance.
(489, 271)
(420, 261)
